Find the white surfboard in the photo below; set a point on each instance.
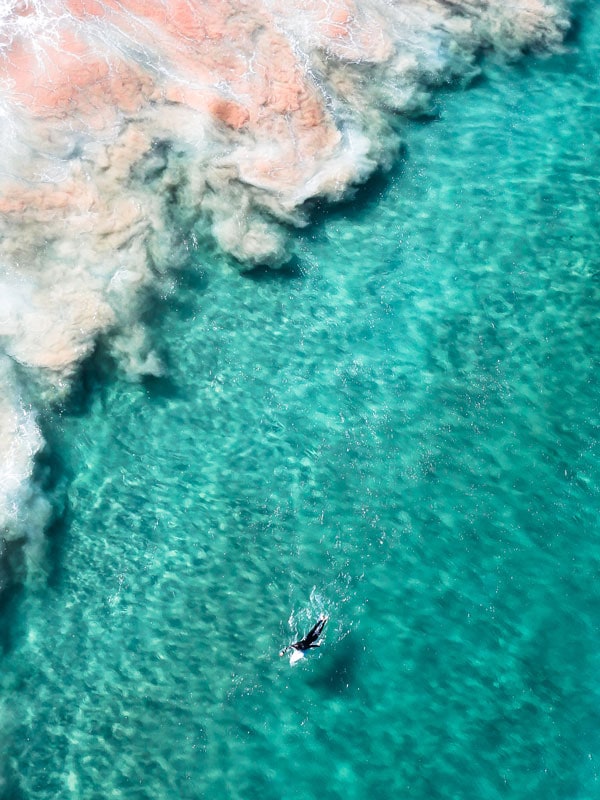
(295, 656)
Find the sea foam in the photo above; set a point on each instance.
(24, 511)
(130, 127)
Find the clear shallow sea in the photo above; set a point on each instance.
(402, 430)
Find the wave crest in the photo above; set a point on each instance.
(131, 126)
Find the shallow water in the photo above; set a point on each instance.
(401, 431)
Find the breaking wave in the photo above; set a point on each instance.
(132, 127)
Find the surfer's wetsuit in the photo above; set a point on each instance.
(310, 640)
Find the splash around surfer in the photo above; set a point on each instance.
(297, 649)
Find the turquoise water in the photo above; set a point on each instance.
(402, 430)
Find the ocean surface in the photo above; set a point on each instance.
(399, 429)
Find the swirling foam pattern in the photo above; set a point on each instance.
(402, 430)
(128, 124)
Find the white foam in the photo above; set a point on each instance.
(24, 511)
(100, 191)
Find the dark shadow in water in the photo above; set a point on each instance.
(92, 374)
(358, 199)
(480, 79)
(12, 791)
(573, 35)
(291, 270)
(338, 666)
(191, 283)
(53, 474)
(56, 535)
(9, 609)
(161, 387)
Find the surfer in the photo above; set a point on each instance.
(309, 641)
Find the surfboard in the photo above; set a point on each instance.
(296, 656)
